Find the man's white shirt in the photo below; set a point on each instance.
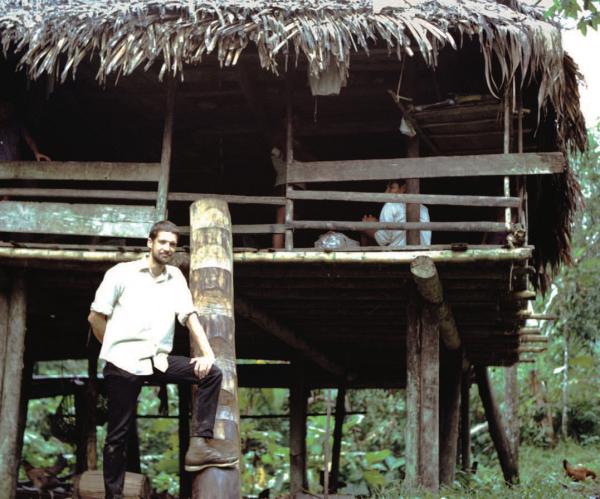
(141, 311)
(396, 213)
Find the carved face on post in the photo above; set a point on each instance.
(162, 247)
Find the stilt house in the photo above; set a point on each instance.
(153, 109)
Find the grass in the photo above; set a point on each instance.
(542, 477)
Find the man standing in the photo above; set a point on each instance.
(396, 213)
(133, 316)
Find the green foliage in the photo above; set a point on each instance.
(586, 13)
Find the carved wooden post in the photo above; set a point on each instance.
(211, 284)
(12, 331)
(298, 409)
(422, 395)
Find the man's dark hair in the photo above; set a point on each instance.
(163, 226)
(400, 182)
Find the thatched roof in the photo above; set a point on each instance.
(120, 36)
(54, 36)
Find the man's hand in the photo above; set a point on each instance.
(202, 365)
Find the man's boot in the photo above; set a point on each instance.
(201, 455)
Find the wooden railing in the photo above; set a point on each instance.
(85, 210)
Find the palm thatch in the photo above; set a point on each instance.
(55, 36)
(517, 43)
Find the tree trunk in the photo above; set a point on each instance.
(564, 425)
(539, 394)
(211, 284)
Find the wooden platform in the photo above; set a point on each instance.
(348, 306)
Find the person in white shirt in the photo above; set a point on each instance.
(133, 316)
(396, 213)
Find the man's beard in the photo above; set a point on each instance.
(162, 258)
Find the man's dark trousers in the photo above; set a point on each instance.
(123, 388)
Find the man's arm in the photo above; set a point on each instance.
(204, 363)
(33, 146)
(98, 323)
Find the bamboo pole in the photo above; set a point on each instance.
(11, 390)
(362, 257)
(413, 211)
(211, 284)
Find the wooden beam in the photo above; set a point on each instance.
(510, 468)
(429, 199)
(287, 336)
(430, 167)
(211, 284)
(78, 170)
(167, 148)
(183, 430)
(429, 286)
(422, 396)
(433, 226)
(298, 408)
(76, 219)
(12, 364)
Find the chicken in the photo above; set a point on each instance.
(579, 473)
(45, 478)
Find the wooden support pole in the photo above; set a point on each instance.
(413, 211)
(450, 392)
(509, 466)
(422, 395)
(91, 403)
(185, 489)
(340, 414)
(465, 421)
(511, 405)
(298, 410)
(167, 147)
(12, 364)
(289, 156)
(429, 286)
(211, 284)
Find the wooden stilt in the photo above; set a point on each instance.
(422, 395)
(496, 427)
(185, 483)
(91, 403)
(449, 413)
(211, 283)
(340, 414)
(12, 363)
(24, 405)
(511, 404)
(298, 410)
(465, 421)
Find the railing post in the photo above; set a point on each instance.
(289, 218)
(289, 159)
(165, 158)
(413, 210)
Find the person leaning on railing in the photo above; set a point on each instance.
(396, 213)
(11, 132)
